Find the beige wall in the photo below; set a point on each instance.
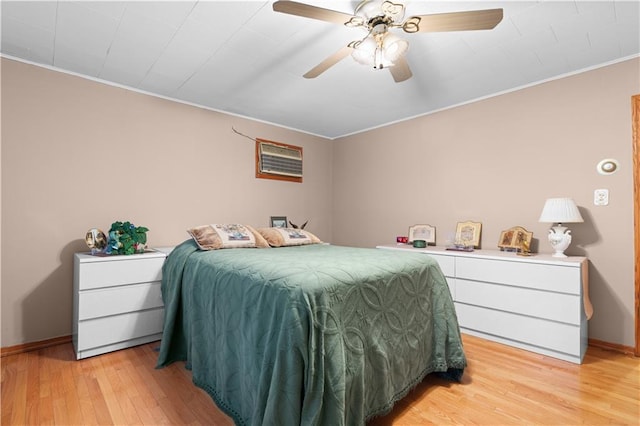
(1, 62)
(496, 161)
(77, 154)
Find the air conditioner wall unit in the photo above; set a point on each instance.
(278, 161)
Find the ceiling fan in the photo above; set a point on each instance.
(381, 48)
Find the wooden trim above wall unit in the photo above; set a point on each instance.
(260, 173)
(635, 125)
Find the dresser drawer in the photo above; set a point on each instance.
(538, 303)
(451, 282)
(118, 300)
(560, 307)
(447, 264)
(118, 272)
(562, 279)
(98, 332)
(556, 336)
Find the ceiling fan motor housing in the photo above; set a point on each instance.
(370, 9)
(379, 24)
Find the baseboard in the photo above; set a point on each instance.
(627, 350)
(33, 346)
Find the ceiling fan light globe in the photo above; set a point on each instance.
(364, 53)
(394, 47)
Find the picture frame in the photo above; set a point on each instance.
(422, 232)
(468, 234)
(279, 221)
(516, 239)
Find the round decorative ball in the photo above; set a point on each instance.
(96, 240)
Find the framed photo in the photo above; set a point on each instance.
(506, 237)
(278, 221)
(468, 234)
(422, 232)
(515, 239)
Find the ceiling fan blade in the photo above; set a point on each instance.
(400, 70)
(329, 62)
(313, 12)
(454, 21)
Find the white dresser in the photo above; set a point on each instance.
(117, 301)
(539, 303)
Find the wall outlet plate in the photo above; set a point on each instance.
(601, 197)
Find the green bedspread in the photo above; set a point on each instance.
(307, 335)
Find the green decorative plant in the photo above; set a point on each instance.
(126, 238)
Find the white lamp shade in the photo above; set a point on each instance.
(560, 210)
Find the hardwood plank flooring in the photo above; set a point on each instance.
(502, 386)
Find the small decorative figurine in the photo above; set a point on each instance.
(294, 226)
(524, 248)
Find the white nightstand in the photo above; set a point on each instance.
(117, 301)
(539, 303)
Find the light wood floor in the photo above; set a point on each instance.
(502, 386)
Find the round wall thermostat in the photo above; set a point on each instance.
(607, 166)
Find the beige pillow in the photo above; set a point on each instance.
(220, 236)
(281, 237)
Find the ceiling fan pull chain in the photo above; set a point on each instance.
(378, 54)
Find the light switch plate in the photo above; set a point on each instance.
(601, 197)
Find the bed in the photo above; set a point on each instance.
(308, 335)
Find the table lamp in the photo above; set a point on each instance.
(559, 211)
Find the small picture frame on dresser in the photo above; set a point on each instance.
(468, 234)
(516, 239)
(422, 232)
(278, 221)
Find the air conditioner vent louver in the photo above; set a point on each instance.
(280, 160)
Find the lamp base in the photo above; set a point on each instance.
(560, 239)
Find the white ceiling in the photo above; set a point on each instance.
(243, 58)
